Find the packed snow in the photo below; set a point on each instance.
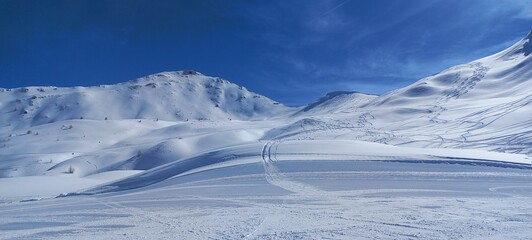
(187, 156)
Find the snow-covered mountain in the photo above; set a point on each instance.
(172, 96)
(502, 75)
(482, 104)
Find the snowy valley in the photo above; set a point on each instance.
(180, 154)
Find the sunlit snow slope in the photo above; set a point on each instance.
(483, 104)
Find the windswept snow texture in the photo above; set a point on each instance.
(180, 155)
(253, 192)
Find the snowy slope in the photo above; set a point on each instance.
(483, 104)
(172, 96)
(498, 78)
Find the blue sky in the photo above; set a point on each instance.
(290, 50)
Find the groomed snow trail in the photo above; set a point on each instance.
(275, 177)
(276, 215)
(442, 201)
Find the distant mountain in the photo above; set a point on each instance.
(179, 95)
(484, 104)
(338, 102)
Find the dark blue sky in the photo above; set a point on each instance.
(291, 51)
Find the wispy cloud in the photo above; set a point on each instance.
(372, 46)
(291, 50)
(523, 7)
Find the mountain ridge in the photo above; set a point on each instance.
(484, 103)
(179, 95)
(481, 104)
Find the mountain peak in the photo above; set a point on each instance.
(527, 46)
(179, 73)
(170, 76)
(172, 96)
(188, 72)
(522, 48)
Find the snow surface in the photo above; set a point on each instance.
(187, 156)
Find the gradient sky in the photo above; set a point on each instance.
(292, 51)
